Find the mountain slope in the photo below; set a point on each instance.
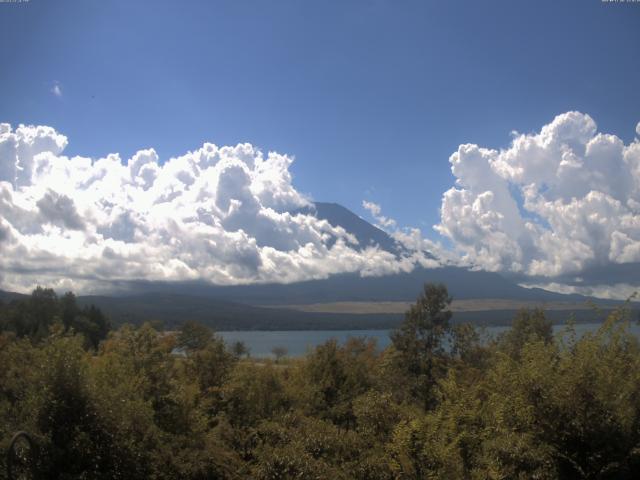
(8, 296)
(462, 284)
(241, 306)
(172, 310)
(366, 234)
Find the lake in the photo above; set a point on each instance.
(299, 342)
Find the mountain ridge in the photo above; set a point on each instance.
(267, 306)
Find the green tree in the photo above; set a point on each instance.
(194, 336)
(528, 326)
(333, 376)
(253, 393)
(211, 365)
(93, 324)
(578, 403)
(304, 447)
(33, 316)
(240, 349)
(418, 341)
(75, 441)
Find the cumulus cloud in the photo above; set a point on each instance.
(216, 214)
(553, 205)
(555, 202)
(414, 247)
(59, 210)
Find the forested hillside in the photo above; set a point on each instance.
(138, 403)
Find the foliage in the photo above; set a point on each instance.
(528, 326)
(418, 341)
(36, 316)
(440, 402)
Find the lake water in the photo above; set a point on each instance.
(299, 342)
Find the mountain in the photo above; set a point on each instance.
(6, 297)
(461, 282)
(171, 310)
(268, 306)
(365, 233)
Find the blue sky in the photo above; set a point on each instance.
(371, 97)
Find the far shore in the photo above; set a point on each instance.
(468, 305)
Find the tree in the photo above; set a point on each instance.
(252, 394)
(468, 347)
(35, 316)
(575, 407)
(93, 324)
(418, 341)
(528, 326)
(68, 309)
(279, 352)
(194, 336)
(240, 349)
(333, 376)
(76, 442)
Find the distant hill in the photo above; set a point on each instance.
(170, 310)
(8, 296)
(462, 284)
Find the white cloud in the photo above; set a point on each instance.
(555, 203)
(416, 250)
(618, 291)
(217, 214)
(376, 212)
(552, 203)
(57, 89)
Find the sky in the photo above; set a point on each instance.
(368, 101)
